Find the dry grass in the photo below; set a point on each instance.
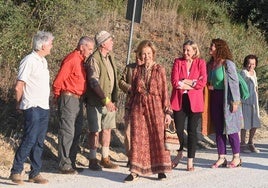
(7, 147)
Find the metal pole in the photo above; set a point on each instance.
(131, 31)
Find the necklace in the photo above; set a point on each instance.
(146, 75)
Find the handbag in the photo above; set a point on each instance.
(171, 138)
(243, 87)
(207, 127)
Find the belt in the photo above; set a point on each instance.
(70, 94)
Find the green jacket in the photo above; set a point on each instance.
(126, 79)
(104, 81)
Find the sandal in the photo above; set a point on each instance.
(131, 177)
(176, 160)
(253, 149)
(221, 162)
(235, 165)
(190, 169)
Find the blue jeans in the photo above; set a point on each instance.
(35, 128)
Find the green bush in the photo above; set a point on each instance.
(168, 23)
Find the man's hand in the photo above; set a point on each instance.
(111, 106)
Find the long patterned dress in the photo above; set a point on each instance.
(148, 103)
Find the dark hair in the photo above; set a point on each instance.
(222, 49)
(247, 58)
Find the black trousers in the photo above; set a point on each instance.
(193, 120)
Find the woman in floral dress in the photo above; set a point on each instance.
(149, 112)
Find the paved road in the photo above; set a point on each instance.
(253, 173)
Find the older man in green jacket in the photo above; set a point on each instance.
(101, 98)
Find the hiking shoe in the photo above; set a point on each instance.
(107, 163)
(38, 179)
(94, 165)
(16, 178)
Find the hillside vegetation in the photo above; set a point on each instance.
(168, 23)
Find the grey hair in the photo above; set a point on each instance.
(41, 38)
(84, 40)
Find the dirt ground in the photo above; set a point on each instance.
(50, 164)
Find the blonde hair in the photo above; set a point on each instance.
(143, 44)
(194, 46)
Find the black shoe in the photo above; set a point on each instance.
(68, 171)
(94, 165)
(128, 164)
(162, 176)
(78, 169)
(131, 177)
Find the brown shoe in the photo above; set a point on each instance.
(107, 163)
(94, 165)
(38, 179)
(16, 178)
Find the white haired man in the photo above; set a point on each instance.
(32, 96)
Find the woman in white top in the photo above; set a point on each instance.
(250, 106)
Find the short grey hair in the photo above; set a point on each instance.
(84, 40)
(41, 38)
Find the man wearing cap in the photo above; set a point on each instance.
(68, 88)
(101, 97)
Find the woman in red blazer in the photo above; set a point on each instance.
(188, 78)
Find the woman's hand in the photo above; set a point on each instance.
(210, 87)
(234, 107)
(189, 82)
(167, 119)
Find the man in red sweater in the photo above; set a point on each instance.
(69, 87)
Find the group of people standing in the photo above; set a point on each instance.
(89, 75)
(149, 109)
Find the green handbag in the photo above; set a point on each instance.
(243, 87)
